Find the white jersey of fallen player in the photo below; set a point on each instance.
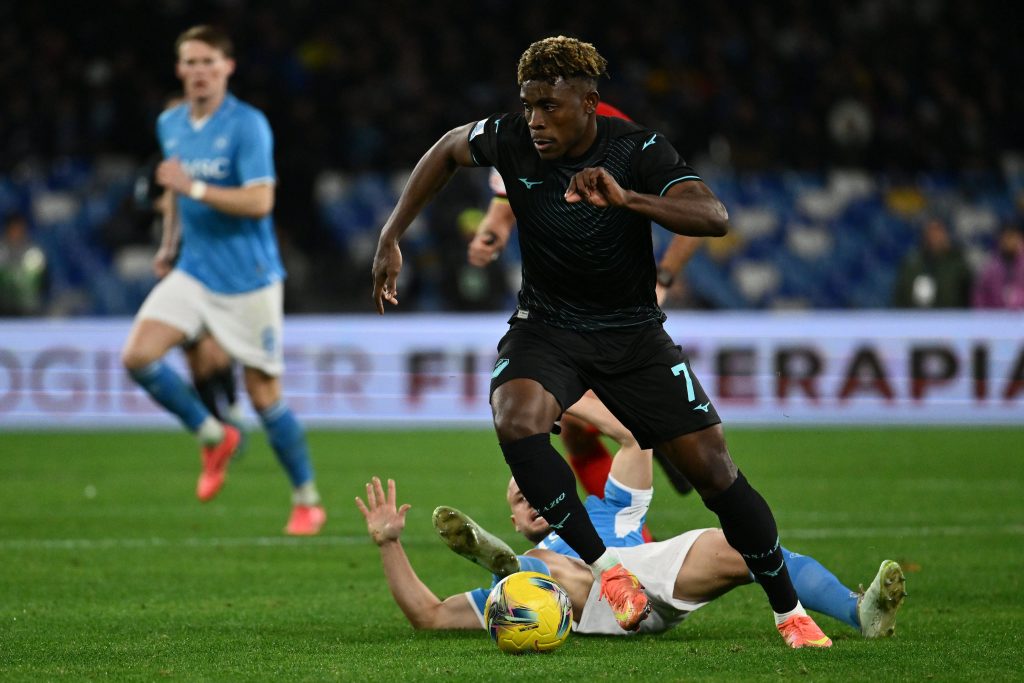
(619, 518)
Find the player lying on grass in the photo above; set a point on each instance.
(681, 574)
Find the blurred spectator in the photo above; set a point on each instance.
(22, 270)
(935, 274)
(1001, 283)
(747, 88)
(798, 84)
(467, 287)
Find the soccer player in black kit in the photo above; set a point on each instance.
(584, 190)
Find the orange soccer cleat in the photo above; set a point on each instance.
(801, 631)
(215, 464)
(306, 520)
(625, 596)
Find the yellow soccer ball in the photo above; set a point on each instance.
(528, 612)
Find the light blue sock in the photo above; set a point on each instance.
(168, 389)
(289, 442)
(818, 589)
(527, 564)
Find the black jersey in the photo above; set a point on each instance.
(584, 268)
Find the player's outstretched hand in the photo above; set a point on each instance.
(384, 520)
(597, 187)
(387, 264)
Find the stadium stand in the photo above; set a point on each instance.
(828, 152)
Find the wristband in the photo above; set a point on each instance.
(197, 190)
(665, 277)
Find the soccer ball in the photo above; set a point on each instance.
(528, 612)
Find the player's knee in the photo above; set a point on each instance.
(264, 390)
(517, 422)
(512, 427)
(704, 459)
(521, 410)
(729, 562)
(135, 358)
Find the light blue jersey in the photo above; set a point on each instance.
(233, 147)
(618, 518)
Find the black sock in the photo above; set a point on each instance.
(228, 386)
(750, 528)
(679, 482)
(548, 484)
(207, 390)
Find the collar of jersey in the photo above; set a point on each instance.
(227, 104)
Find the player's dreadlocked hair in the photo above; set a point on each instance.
(551, 58)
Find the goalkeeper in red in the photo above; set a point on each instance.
(585, 190)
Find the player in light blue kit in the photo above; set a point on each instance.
(218, 160)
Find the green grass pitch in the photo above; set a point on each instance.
(111, 570)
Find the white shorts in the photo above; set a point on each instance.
(656, 565)
(248, 326)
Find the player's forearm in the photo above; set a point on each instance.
(417, 602)
(498, 221)
(692, 214)
(679, 251)
(252, 201)
(431, 174)
(170, 237)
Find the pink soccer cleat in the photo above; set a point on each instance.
(306, 520)
(625, 596)
(215, 464)
(801, 631)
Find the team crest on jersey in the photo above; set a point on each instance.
(269, 340)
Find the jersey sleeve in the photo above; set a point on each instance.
(161, 132)
(255, 151)
(630, 506)
(483, 140)
(658, 165)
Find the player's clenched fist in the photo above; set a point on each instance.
(597, 187)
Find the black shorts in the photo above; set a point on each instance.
(642, 376)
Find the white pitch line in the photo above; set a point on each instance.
(143, 543)
(287, 541)
(912, 531)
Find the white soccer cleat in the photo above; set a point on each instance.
(878, 605)
(472, 541)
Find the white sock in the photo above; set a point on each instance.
(306, 495)
(235, 413)
(210, 432)
(608, 560)
(796, 611)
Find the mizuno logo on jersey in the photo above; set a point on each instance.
(530, 183)
(649, 142)
(703, 407)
